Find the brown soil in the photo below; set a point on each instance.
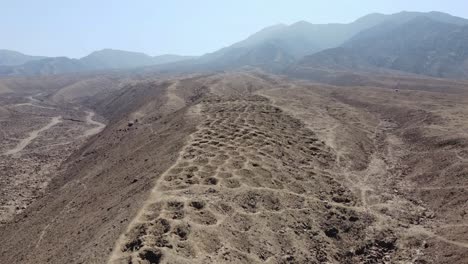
(245, 167)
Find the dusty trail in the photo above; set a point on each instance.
(34, 105)
(98, 125)
(434, 188)
(462, 159)
(174, 102)
(33, 135)
(34, 100)
(423, 231)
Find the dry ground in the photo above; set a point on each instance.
(244, 167)
(37, 135)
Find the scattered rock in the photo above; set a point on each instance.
(332, 232)
(153, 256)
(197, 204)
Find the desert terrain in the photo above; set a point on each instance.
(234, 167)
(37, 135)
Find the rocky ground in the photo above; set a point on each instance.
(244, 167)
(37, 136)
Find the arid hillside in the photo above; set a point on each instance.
(234, 167)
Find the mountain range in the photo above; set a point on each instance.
(420, 46)
(15, 63)
(286, 44)
(13, 58)
(432, 43)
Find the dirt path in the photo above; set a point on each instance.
(98, 125)
(434, 188)
(33, 102)
(423, 231)
(33, 105)
(33, 135)
(174, 102)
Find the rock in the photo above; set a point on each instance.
(332, 232)
(429, 215)
(153, 256)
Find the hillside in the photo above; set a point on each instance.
(119, 59)
(115, 59)
(303, 38)
(12, 58)
(421, 46)
(171, 58)
(48, 66)
(236, 167)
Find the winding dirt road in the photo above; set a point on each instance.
(33, 102)
(33, 135)
(33, 105)
(98, 125)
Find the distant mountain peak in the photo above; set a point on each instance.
(115, 51)
(276, 26)
(301, 23)
(370, 17)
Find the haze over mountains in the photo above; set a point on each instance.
(99, 60)
(289, 43)
(431, 43)
(12, 58)
(421, 46)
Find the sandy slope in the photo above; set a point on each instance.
(250, 168)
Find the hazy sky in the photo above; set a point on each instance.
(189, 27)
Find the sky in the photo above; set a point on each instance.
(186, 27)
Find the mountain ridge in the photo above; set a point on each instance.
(280, 47)
(302, 38)
(13, 58)
(420, 46)
(105, 59)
